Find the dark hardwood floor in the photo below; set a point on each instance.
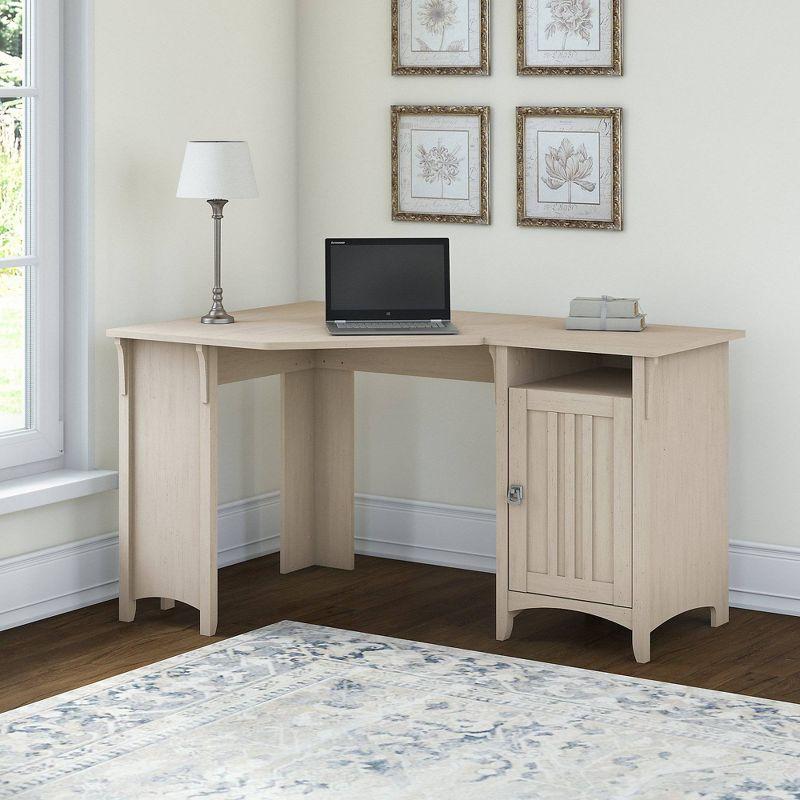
(756, 654)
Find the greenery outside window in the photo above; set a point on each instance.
(30, 233)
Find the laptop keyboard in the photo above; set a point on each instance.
(383, 326)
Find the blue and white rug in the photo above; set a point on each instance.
(296, 710)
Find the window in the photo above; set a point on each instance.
(31, 431)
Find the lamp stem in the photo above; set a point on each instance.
(217, 314)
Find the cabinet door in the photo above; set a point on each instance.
(571, 535)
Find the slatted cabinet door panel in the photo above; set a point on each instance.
(571, 535)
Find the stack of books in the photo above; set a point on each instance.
(605, 314)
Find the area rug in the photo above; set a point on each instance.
(297, 710)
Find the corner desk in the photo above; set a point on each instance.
(611, 456)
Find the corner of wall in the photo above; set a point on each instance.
(298, 6)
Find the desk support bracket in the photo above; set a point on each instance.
(202, 357)
(123, 351)
(650, 378)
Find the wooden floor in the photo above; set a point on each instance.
(756, 654)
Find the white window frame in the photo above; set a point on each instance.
(41, 446)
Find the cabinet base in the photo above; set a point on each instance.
(640, 633)
(520, 601)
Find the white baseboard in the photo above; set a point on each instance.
(50, 582)
(59, 579)
(431, 533)
(765, 577)
(248, 529)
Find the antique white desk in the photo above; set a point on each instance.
(611, 456)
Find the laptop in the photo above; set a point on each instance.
(387, 286)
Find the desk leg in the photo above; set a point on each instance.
(504, 619)
(720, 614)
(127, 597)
(318, 444)
(168, 477)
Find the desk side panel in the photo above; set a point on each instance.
(173, 472)
(317, 492)
(127, 594)
(680, 455)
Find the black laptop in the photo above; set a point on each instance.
(387, 286)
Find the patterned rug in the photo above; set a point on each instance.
(296, 710)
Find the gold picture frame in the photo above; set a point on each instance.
(470, 125)
(420, 68)
(595, 171)
(613, 68)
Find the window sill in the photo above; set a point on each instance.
(20, 494)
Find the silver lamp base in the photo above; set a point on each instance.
(217, 315)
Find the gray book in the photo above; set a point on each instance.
(614, 307)
(636, 323)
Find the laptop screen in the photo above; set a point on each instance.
(387, 279)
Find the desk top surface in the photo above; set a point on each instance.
(301, 326)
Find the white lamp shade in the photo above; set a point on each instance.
(219, 170)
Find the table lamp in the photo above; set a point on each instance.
(213, 170)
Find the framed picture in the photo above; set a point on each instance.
(440, 164)
(440, 37)
(569, 167)
(569, 37)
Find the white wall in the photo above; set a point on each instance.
(711, 232)
(165, 72)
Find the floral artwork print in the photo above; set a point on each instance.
(569, 18)
(440, 37)
(569, 166)
(437, 17)
(569, 37)
(439, 164)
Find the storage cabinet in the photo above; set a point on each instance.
(570, 452)
(612, 486)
